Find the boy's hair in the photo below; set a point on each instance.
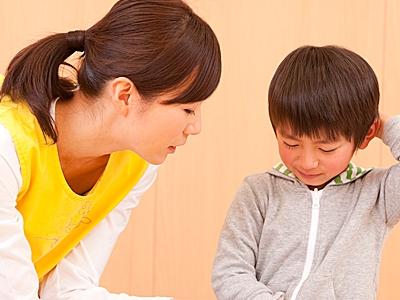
(326, 91)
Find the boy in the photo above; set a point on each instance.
(313, 227)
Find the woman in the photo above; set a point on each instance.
(76, 155)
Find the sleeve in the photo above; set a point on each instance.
(18, 279)
(77, 276)
(234, 274)
(391, 181)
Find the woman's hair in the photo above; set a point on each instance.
(160, 45)
(327, 91)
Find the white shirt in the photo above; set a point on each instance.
(77, 276)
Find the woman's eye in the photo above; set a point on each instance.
(190, 112)
(290, 146)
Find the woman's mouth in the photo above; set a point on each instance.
(171, 149)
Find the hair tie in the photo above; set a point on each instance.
(76, 40)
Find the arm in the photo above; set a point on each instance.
(77, 276)
(390, 134)
(18, 279)
(234, 274)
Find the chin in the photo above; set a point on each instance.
(155, 160)
(151, 158)
(310, 182)
(316, 184)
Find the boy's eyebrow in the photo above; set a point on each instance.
(292, 137)
(289, 136)
(325, 141)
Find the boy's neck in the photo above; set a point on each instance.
(352, 172)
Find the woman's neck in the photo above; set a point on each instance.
(81, 129)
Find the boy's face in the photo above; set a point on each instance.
(317, 161)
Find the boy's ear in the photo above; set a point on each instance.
(124, 92)
(372, 131)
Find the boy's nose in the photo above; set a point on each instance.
(309, 161)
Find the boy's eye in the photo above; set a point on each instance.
(327, 150)
(190, 112)
(290, 146)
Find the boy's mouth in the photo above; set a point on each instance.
(308, 175)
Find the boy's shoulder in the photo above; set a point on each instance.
(376, 174)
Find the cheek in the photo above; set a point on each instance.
(172, 129)
(287, 155)
(164, 127)
(338, 162)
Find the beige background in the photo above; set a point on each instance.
(170, 242)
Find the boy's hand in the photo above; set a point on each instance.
(383, 118)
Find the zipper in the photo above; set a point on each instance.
(312, 239)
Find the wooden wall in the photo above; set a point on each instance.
(169, 245)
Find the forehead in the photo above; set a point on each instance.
(320, 136)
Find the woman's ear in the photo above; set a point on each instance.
(123, 94)
(372, 132)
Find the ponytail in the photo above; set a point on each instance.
(33, 76)
(160, 45)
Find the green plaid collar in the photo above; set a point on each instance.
(352, 172)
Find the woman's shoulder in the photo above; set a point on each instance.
(7, 148)
(20, 123)
(9, 156)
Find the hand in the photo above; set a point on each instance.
(383, 118)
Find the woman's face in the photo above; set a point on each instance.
(157, 129)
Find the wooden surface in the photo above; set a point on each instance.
(169, 245)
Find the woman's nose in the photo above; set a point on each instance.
(194, 127)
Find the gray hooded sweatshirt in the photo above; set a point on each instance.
(281, 240)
